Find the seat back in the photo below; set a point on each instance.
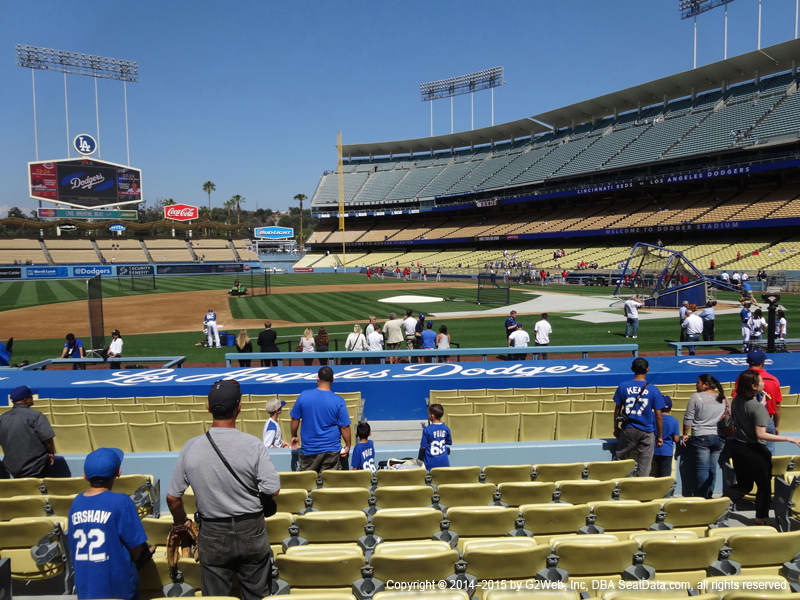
(112, 435)
(537, 427)
(401, 476)
(644, 488)
(149, 437)
(574, 425)
(465, 494)
(414, 561)
(345, 498)
(552, 518)
(578, 491)
(465, 428)
(613, 515)
(580, 558)
(360, 478)
(498, 474)
(473, 521)
(406, 523)
(180, 433)
(72, 439)
(455, 474)
(558, 471)
(610, 469)
(306, 480)
(517, 493)
(331, 526)
(500, 427)
(403, 496)
(681, 554)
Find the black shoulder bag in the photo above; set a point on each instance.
(268, 504)
(623, 420)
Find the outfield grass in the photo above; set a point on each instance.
(351, 306)
(20, 294)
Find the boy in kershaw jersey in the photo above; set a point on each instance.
(107, 540)
(434, 448)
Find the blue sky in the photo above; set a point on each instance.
(250, 94)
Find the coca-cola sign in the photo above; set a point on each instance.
(180, 212)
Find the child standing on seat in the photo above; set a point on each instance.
(436, 440)
(670, 429)
(364, 451)
(271, 435)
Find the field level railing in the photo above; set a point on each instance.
(782, 345)
(168, 362)
(484, 353)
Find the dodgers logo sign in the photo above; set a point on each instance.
(273, 233)
(116, 227)
(84, 144)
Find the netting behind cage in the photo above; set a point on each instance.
(650, 270)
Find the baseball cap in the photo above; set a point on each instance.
(20, 393)
(274, 404)
(103, 463)
(224, 396)
(668, 402)
(115, 332)
(421, 316)
(756, 357)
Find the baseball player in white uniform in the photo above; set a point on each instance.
(210, 322)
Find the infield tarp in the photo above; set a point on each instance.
(391, 391)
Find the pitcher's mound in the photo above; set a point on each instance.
(411, 299)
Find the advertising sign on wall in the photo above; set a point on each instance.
(92, 271)
(181, 212)
(273, 233)
(46, 272)
(135, 270)
(195, 268)
(11, 273)
(84, 183)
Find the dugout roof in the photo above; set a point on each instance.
(744, 67)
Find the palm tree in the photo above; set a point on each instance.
(209, 187)
(229, 204)
(167, 202)
(239, 201)
(299, 198)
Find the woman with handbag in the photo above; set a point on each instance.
(307, 344)
(701, 441)
(355, 342)
(752, 461)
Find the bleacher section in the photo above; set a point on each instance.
(21, 251)
(122, 251)
(212, 250)
(712, 122)
(170, 250)
(71, 251)
(243, 252)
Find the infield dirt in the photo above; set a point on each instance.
(167, 313)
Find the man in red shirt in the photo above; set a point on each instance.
(772, 391)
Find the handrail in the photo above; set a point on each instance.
(679, 346)
(484, 353)
(169, 361)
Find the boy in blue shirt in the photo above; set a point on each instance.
(436, 440)
(364, 451)
(107, 541)
(670, 430)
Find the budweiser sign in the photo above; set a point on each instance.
(180, 212)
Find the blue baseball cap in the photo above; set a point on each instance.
(668, 402)
(20, 393)
(756, 357)
(103, 463)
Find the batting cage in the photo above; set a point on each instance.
(94, 292)
(492, 290)
(136, 277)
(249, 283)
(661, 277)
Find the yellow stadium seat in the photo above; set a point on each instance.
(306, 480)
(518, 493)
(401, 476)
(610, 469)
(462, 408)
(72, 439)
(331, 526)
(500, 427)
(465, 494)
(254, 427)
(695, 512)
(580, 491)
(19, 507)
(403, 496)
(314, 567)
(70, 418)
(180, 433)
(482, 521)
(681, 559)
(574, 425)
(616, 515)
(603, 424)
(644, 488)
(16, 540)
(291, 500)
(505, 473)
(393, 524)
(59, 506)
(102, 418)
(333, 479)
(516, 558)
(148, 437)
(525, 406)
(113, 435)
(414, 561)
(143, 416)
(344, 498)
(455, 474)
(537, 427)
(763, 553)
(558, 471)
(24, 486)
(65, 486)
(465, 428)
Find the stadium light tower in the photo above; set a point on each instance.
(690, 9)
(463, 84)
(77, 63)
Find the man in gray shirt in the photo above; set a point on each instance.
(26, 437)
(233, 538)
